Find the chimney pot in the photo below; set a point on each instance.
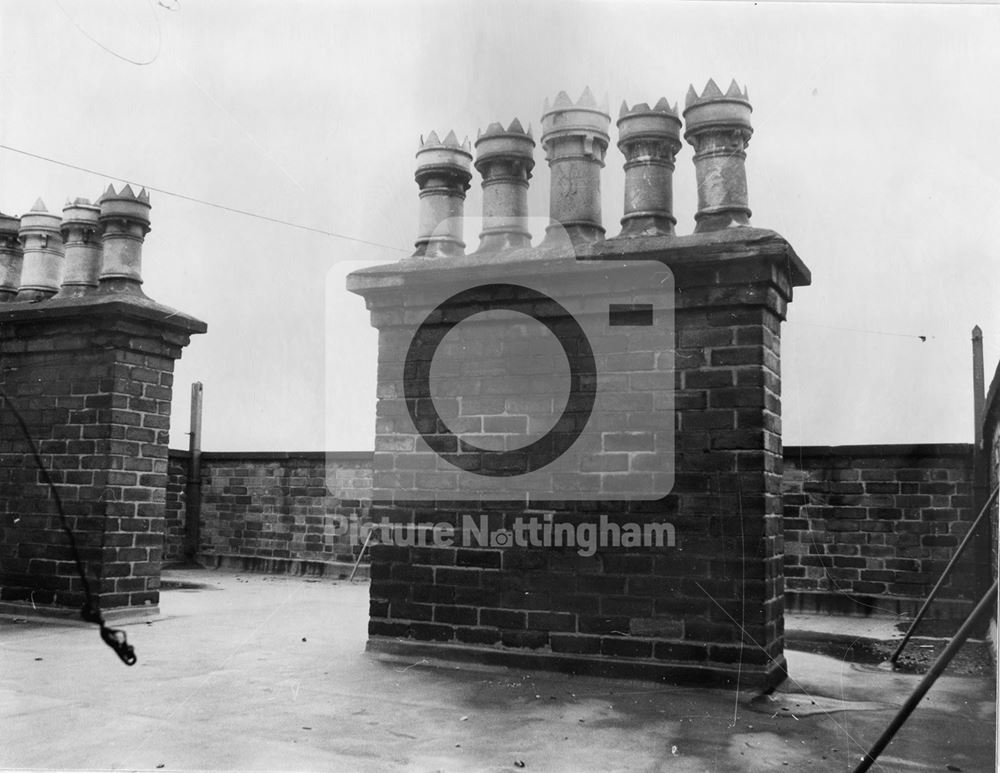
(42, 265)
(81, 231)
(124, 220)
(10, 257)
(575, 140)
(504, 158)
(443, 175)
(649, 138)
(718, 127)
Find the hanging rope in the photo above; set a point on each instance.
(91, 612)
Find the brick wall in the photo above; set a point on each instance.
(869, 529)
(274, 511)
(93, 382)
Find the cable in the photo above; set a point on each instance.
(204, 202)
(99, 44)
(923, 338)
(91, 611)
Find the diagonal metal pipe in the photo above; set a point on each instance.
(985, 605)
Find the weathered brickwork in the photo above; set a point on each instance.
(278, 511)
(174, 507)
(93, 380)
(869, 529)
(709, 608)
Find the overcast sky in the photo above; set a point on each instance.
(875, 153)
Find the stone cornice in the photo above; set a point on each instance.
(710, 252)
(114, 307)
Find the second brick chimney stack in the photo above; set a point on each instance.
(504, 159)
(10, 257)
(81, 231)
(672, 347)
(125, 220)
(649, 140)
(41, 240)
(718, 127)
(575, 139)
(443, 174)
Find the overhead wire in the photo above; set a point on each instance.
(337, 235)
(99, 44)
(923, 338)
(175, 194)
(204, 202)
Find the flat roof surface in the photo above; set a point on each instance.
(245, 672)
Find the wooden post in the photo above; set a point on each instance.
(192, 521)
(978, 386)
(981, 553)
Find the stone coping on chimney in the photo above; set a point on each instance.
(694, 250)
(114, 305)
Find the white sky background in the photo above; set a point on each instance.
(875, 154)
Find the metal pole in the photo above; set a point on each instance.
(985, 605)
(944, 576)
(192, 522)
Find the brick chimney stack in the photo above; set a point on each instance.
(81, 231)
(10, 257)
(649, 139)
(505, 159)
(718, 127)
(680, 338)
(125, 220)
(90, 367)
(575, 140)
(443, 174)
(41, 240)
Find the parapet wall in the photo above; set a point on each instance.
(867, 529)
(272, 511)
